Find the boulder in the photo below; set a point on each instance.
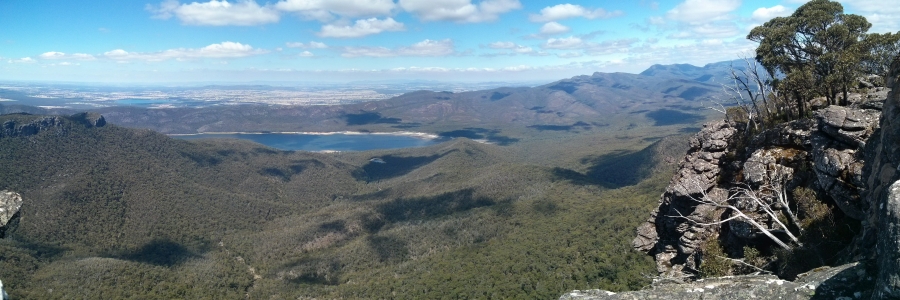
(10, 203)
(851, 125)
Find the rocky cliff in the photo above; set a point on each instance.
(27, 125)
(845, 158)
(10, 203)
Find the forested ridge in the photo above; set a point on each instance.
(112, 212)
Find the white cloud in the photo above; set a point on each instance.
(502, 45)
(702, 19)
(563, 43)
(518, 68)
(324, 10)
(515, 48)
(52, 55)
(61, 55)
(566, 11)
(656, 21)
(702, 11)
(579, 47)
(569, 55)
(216, 13)
(764, 14)
(883, 16)
(713, 30)
(24, 60)
(523, 50)
(306, 54)
(611, 47)
(368, 52)
(361, 28)
(310, 45)
(423, 48)
(463, 11)
(221, 50)
(553, 28)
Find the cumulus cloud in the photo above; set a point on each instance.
(424, 48)
(462, 11)
(578, 47)
(569, 55)
(361, 28)
(702, 19)
(713, 30)
(216, 13)
(512, 47)
(221, 50)
(884, 17)
(24, 60)
(563, 43)
(553, 28)
(764, 14)
(502, 45)
(566, 11)
(61, 55)
(324, 10)
(702, 11)
(310, 45)
(306, 54)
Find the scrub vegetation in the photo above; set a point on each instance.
(118, 213)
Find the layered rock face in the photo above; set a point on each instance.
(826, 154)
(670, 234)
(883, 174)
(32, 126)
(850, 154)
(10, 203)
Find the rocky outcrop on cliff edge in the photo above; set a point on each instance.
(850, 154)
(27, 125)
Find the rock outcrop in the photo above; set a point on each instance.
(10, 203)
(883, 173)
(844, 282)
(826, 154)
(19, 125)
(670, 235)
(850, 154)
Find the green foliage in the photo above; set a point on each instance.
(715, 260)
(882, 50)
(818, 49)
(826, 233)
(115, 213)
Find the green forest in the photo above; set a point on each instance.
(119, 213)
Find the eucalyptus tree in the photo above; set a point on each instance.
(882, 48)
(816, 51)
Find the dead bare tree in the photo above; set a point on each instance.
(770, 199)
(752, 92)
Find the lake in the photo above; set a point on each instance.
(327, 142)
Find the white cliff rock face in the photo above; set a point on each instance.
(10, 203)
(3, 294)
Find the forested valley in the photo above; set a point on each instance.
(120, 213)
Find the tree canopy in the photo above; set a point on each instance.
(816, 51)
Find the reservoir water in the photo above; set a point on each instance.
(326, 142)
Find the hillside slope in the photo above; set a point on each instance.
(111, 212)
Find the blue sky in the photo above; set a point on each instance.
(171, 41)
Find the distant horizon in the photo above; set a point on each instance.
(278, 83)
(182, 41)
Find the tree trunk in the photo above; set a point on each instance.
(845, 101)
